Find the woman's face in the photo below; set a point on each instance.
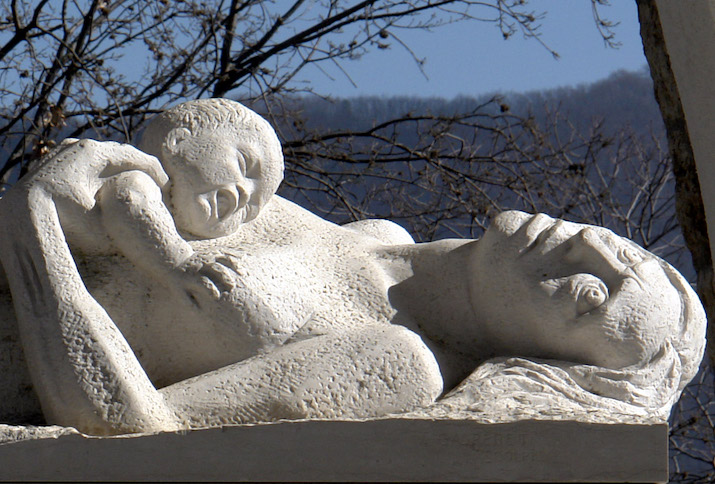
(547, 288)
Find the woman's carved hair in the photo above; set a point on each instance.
(529, 387)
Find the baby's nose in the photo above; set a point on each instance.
(227, 200)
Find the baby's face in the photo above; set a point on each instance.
(216, 183)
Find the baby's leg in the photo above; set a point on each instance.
(375, 371)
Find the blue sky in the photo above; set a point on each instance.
(472, 58)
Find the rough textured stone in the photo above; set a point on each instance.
(173, 292)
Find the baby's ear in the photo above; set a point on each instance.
(174, 138)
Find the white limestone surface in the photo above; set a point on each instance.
(170, 289)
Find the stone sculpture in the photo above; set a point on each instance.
(170, 288)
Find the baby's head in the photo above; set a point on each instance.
(223, 160)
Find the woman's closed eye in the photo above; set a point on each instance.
(629, 256)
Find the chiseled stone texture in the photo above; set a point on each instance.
(171, 289)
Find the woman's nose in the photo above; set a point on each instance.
(587, 249)
(528, 236)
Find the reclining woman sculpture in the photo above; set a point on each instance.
(176, 309)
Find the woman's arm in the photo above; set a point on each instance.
(369, 372)
(84, 372)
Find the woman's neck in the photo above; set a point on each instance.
(431, 294)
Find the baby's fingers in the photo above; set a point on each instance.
(232, 261)
(199, 291)
(222, 277)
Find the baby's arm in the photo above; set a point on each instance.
(142, 228)
(140, 224)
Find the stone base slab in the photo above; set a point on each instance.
(397, 449)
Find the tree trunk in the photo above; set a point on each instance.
(688, 201)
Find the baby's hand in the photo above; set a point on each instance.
(204, 278)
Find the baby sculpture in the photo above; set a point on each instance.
(170, 288)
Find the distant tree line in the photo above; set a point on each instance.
(593, 153)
